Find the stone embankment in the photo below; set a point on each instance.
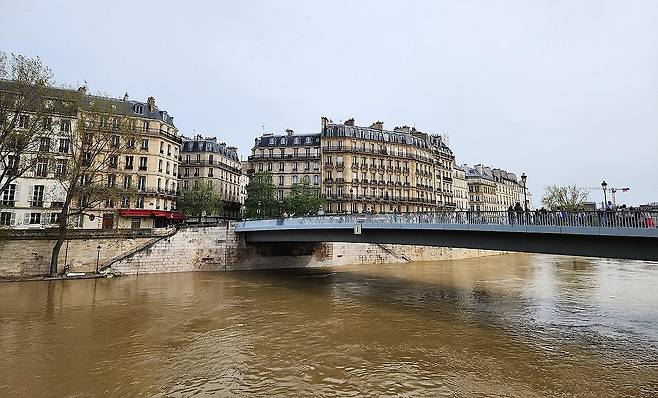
(198, 248)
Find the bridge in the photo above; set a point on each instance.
(625, 235)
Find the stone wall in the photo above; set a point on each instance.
(27, 252)
(218, 248)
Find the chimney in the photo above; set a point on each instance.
(324, 121)
(232, 148)
(125, 97)
(82, 89)
(377, 125)
(403, 129)
(290, 132)
(151, 104)
(222, 144)
(349, 122)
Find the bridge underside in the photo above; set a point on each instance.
(612, 246)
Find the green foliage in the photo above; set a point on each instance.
(303, 200)
(199, 199)
(260, 202)
(569, 198)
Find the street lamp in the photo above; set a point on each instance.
(604, 186)
(98, 256)
(258, 209)
(352, 200)
(525, 196)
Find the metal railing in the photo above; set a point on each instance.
(599, 219)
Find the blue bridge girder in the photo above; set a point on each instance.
(607, 239)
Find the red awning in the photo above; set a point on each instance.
(135, 213)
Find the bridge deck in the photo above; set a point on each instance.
(597, 241)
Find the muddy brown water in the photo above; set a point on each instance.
(503, 326)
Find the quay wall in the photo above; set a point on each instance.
(221, 249)
(27, 252)
(198, 248)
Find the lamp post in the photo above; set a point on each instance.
(352, 200)
(258, 209)
(525, 196)
(98, 256)
(604, 186)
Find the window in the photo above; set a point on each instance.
(131, 142)
(125, 202)
(160, 166)
(272, 141)
(127, 182)
(167, 170)
(139, 202)
(65, 126)
(142, 162)
(308, 140)
(280, 181)
(115, 141)
(283, 141)
(37, 196)
(41, 169)
(210, 159)
(23, 121)
(60, 167)
(281, 166)
(185, 184)
(141, 183)
(145, 144)
(138, 109)
(44, 144)
(196, 171)
(35, 218)
(8, 195)
(294, 179)
(210, 172)
(114, 161)
(6, 218)
(111, 180)
(162, 149)
(135, 223)
(129, 162)
(64, 145)
(168, 149)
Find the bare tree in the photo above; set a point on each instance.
(89, 176)
(26, 106)
(569, 198)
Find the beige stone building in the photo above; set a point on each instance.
(149, 166)
(444, 161)
(370, 169)
(146, 165)
(482, 188)
(291, 159)
(460, 188)
(204, 159)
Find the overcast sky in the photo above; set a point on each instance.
(565, 91)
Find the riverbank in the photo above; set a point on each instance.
(195, 248)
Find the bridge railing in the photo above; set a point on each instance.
(609, 219)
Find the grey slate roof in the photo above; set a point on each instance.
(295, 140)
(208, 145)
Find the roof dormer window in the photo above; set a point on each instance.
(308, 140)
(283, 141)
(296, 141)
(272, 141)
(138, 109)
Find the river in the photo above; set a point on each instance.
(506, 326)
